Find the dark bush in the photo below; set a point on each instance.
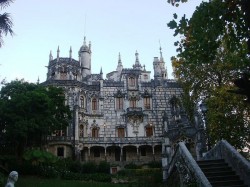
(104, 167)
(131, 166)
(89, 167)
(154, 164)
(48, 172)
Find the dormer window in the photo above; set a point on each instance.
(82, 102)
(131, 81)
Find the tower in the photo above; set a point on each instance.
(85, 58)
(160, 72)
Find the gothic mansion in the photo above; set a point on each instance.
(118, 118)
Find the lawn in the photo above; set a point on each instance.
(39, 182)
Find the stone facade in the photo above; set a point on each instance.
(118, 119)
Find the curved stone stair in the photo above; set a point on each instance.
(219, 174)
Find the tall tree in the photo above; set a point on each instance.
(5, 21)
(29, 112)
(212, 52)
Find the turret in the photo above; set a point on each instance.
(85, 58)
(137, 64)
(160, 72)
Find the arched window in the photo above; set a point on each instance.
(82, 102)
(131, 81)
(81, 131)
(94, 104)
(147, 102)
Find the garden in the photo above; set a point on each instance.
(42, 169)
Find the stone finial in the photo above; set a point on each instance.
(70, 52)
(13, 176)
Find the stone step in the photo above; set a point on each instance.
(223, 178)
(226, 183)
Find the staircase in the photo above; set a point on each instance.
(219, 174)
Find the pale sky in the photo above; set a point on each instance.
(112, 26)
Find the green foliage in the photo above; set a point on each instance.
(212, 52)
(41, 182)
(89, 167)
(132, 166)
(2, 179)
(98, 177)
(38, 157)
(5, 21)
(155, 164)
(104, 167)
(29, 112)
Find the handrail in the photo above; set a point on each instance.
(191, 172)
(223, 150)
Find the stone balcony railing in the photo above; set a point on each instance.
(107, 140)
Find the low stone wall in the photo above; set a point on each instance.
(223, 150)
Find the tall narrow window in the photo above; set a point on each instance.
(119, 103)
(81, 131)
(147, 102)
(149, 131)
(95, 132)
(82, 102)
(94, 104)
(131, 81)
(132, 103)
(121, 132)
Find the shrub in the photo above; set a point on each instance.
(154, 164)
(89, 167)
(48, 172)
(131, 166)
(2, 179)
(104, 167)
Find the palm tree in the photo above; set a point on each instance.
(5, 21)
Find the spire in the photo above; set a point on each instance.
(38, 80)
(84, 41)
(58, 52)
(70, 52)
(137, 58)
(161, 57)
(119, 66)
(50, 56)
(101, 74)
(137, 64)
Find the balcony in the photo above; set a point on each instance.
(107, 140)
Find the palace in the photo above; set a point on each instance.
(120, 118)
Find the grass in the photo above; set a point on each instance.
(39, 182)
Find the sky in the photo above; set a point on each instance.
(112, 26)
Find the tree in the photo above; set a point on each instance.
(5, 21)
(212, 52)
(29, 112)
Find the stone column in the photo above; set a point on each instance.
(153, 151)
(137, 152)
(105, 153)
(121, 154)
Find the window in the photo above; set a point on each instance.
(94, 104)
(121, 132)
(145, 77)
(146, 103)
(95, 132)
(60, 132)
(149, 131)
(60, 151)
(82, 102)
(63, 75)
(119, 103)
(81, 131)
(131, 81)
(132, 103)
